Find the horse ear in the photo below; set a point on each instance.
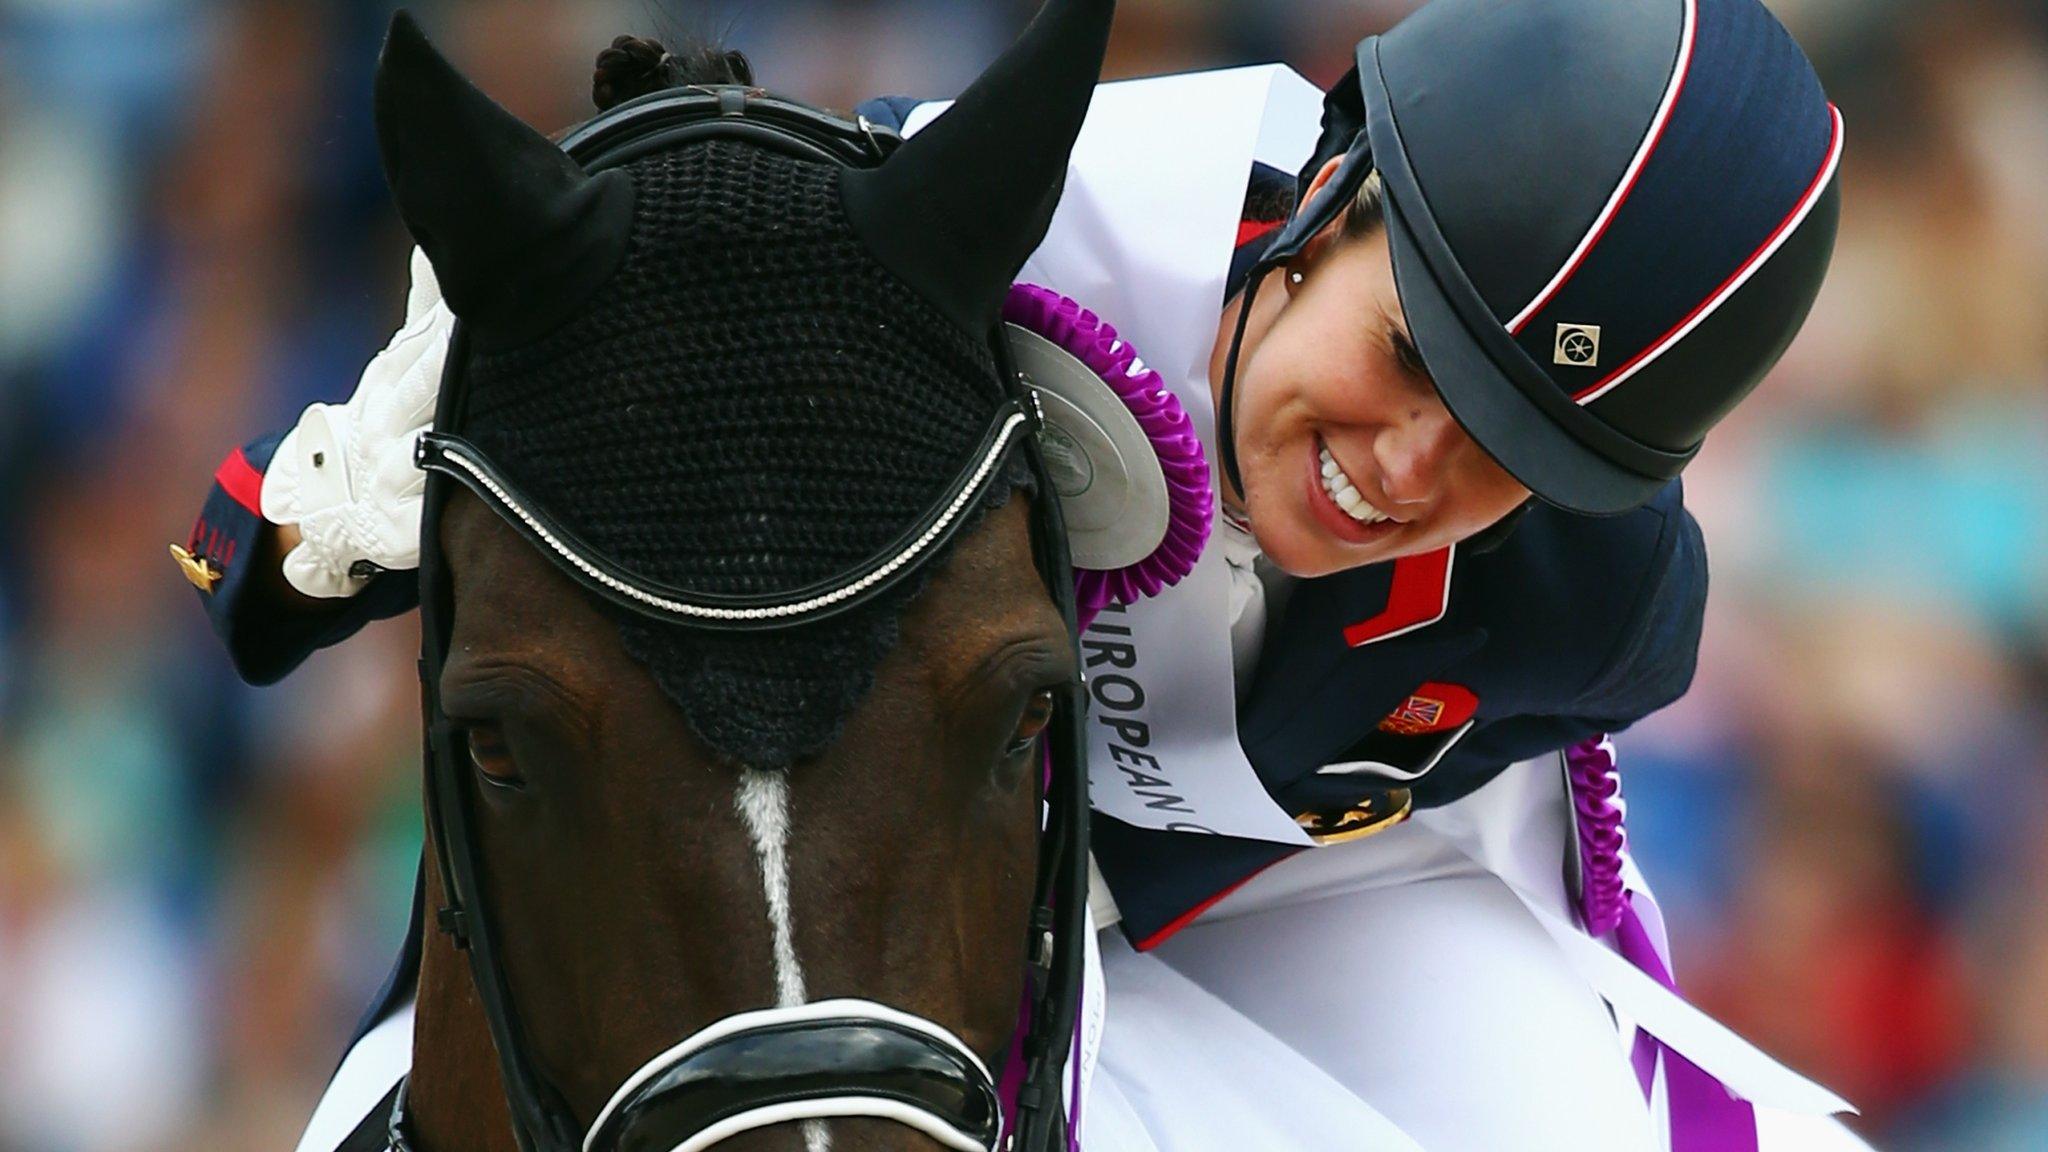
(519, 235)
(959, 207)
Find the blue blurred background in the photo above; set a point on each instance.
(201, 883)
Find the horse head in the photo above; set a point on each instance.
(745, 615)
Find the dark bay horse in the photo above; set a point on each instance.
(748, 620)
(648, 890)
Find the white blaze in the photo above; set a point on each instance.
(763, 804)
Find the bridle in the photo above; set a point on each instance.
(832, 1058)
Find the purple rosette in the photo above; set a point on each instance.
(1598, 807)
(1191, 502)
(1706, 1115)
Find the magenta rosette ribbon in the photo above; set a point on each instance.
(1705, 1115)
(1596, 802)
(1191, 501)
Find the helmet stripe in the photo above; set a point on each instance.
(1741, 276)
(1628, 176)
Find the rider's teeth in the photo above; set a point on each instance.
(1345, 493)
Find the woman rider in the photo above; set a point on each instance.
(1541, 248)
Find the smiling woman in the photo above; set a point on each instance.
(1451, 435)
(1346, 452)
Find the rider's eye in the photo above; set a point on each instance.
(1406, 353)
(1037, 714)
(491, 754)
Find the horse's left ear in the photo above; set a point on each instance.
(519, 235)
(959, 207)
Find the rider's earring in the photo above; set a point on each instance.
(1295, 277)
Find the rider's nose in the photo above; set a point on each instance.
(1413, 455)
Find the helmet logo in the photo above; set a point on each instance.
(1578, 345)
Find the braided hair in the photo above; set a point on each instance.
(635, 65)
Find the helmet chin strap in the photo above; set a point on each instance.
(1316, 213)
(1226, 402)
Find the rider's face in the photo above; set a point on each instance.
(1330, 376)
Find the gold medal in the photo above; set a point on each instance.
(1375, 813)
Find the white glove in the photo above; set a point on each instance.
(345, 473)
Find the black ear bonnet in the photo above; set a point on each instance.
(732, 344)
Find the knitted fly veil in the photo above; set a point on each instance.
(730, 370)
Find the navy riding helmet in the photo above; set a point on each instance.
(1608, 219)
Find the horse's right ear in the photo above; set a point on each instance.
(519, 235)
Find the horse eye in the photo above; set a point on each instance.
(491, 754)
(1037, 714)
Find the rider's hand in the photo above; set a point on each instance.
(344, 476)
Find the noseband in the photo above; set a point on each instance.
(837, 1058)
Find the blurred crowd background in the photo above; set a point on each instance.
(201, 883)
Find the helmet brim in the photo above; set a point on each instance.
(1505, 422)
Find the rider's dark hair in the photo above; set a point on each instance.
(636, 65)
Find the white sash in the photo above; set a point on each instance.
(1144, 237)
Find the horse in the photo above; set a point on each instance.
(755, 797)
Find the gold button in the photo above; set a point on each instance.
(202, 572)
(1375, 813)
